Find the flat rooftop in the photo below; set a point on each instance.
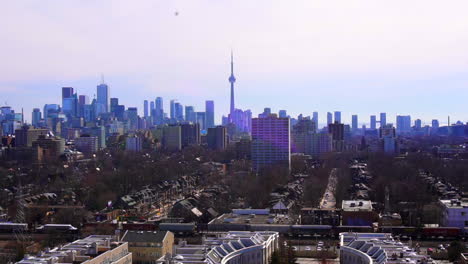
(382, 248)
(455, 203)
(253, 219)
(356, 205)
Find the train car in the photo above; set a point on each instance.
(401, 231)
(139, 227)
(356, 229)
(282, 229)
(312, 230)
(57, 228)
(13, 227)
(228, 227)
(178, 228)
(441, 232)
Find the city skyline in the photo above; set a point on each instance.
(287, 64)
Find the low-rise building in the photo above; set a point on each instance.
(454, 213)
(90, 250)
(230, 247)
(370, 248)
(358, 213)
(148, 246)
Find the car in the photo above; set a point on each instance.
(294, 248)
(319, 248)
(308, 248)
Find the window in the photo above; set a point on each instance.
(463, 213)
(466, 223)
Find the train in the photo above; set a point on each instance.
(6, 228)
(433, 233)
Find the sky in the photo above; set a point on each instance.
(359, 57)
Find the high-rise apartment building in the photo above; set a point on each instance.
(270, 142)
(337, 131)
(190, 114)
(172, 113)
(145, 108)
(134, 143)
(200, 118)
(209, 112)
(132, 117)
(373, 122)
(282, 114)
(403, 124)
(300, 136)
(354, 123)
(315, 119)
(172, 138)
(329, 118)
(87, 144)
(387, 137)
(418, 124)
(383, 119)
(337, 117)
(217, 138)
(190, 134)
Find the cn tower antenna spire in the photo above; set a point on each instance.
(232, 80)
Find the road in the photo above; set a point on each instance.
(328, 200)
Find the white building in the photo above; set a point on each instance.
(454, 213)
(228, 248)
(377, 248)
(89, 250)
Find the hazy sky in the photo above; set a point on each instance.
(359, 57)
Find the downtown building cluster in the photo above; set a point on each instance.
(79, 125)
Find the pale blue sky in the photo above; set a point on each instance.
(359, 57)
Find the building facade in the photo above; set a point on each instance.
(270, 142)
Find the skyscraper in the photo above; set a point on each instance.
(270, 142)
(201, 119)
(209, 110)
(315, 119)
(383, 119)
(145, 108)
(36, 117)
(83, 99)
(151, 107)
(232, 80)
(373, 122)
(67, 92)
(70, 105)
(102, 98)
(403, 124)
(282, 114)
(329, 118)
(179, 112)
(172, 110)
(354, 124)
(337, 117)
(418, 124)
(190, 114)
(159, 104)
